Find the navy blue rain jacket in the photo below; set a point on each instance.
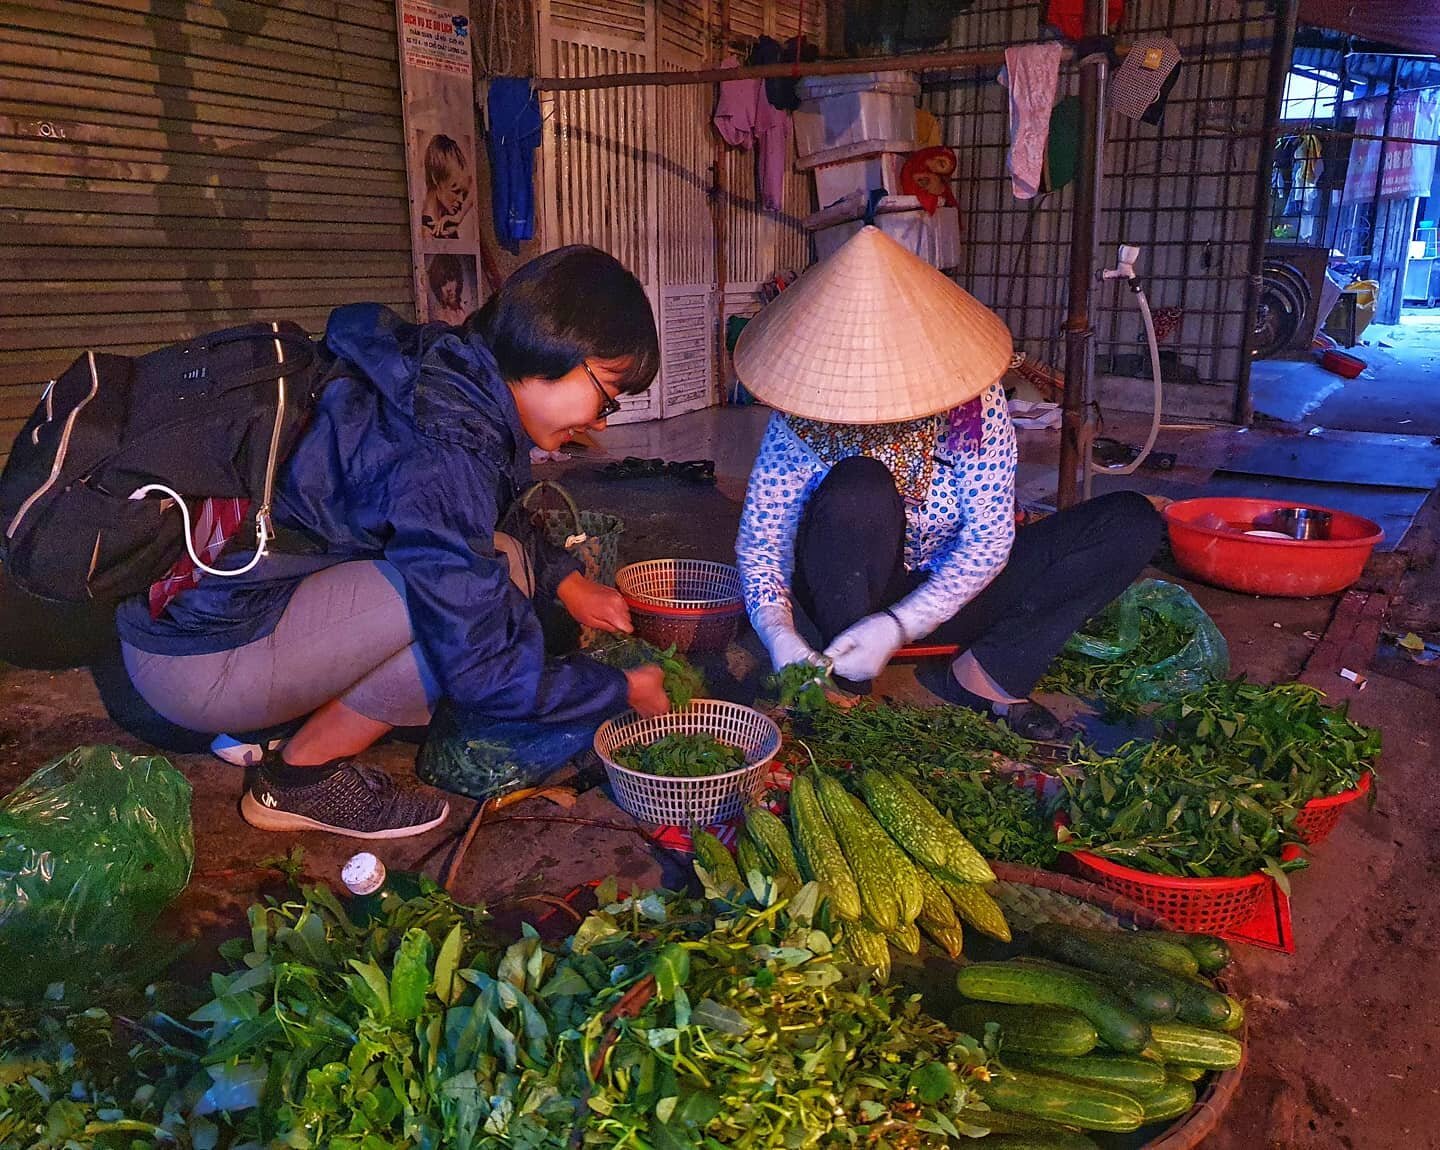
(414, 454)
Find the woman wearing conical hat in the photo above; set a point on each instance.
(882, 502)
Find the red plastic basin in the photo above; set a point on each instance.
(1209, 541)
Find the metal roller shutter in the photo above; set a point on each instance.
(167, 168)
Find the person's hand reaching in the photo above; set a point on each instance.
(593, 604)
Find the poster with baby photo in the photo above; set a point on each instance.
(451, 287)
(440, 152)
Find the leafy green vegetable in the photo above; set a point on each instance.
(1117, 683)
(654, 1025)
(681, 756)
(800, 687)
(683, 682)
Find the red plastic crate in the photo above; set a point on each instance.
(1319, 817)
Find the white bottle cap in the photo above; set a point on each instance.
(363, 874)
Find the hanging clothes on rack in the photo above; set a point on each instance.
(1032, 74)
(513, 121)
(745, 118)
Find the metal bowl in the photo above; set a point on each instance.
(1302, 522)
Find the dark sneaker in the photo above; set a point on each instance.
(357, 801)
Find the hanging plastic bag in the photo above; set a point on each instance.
(92, 848)
(1201, 657)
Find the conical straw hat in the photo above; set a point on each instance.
(872, 335)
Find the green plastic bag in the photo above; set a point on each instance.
(1202, 658)
(92, 848)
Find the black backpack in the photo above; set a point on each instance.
(212, 417)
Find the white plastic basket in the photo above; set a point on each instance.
(689, 802)
(694, 584)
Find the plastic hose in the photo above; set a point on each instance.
(1091, 467)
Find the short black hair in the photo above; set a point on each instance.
(566, 306)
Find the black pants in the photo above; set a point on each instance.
(849, 563)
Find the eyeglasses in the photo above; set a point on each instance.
(609, 406)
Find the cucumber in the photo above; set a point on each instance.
(1133, 1076)
(1004, 1124)
(1188, 1073)
(1195, 1046)
(1041, 1030)
(1060, 1140)
(1175, 1098)
(1210, 952)
(1152, 1001)
(1117, 1025)
(820, 856)
(1197, 1002)
(1061, 1100)
(1237, 1015)
(1149, 947)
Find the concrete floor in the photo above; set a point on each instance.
(1343, 1032)
(1398, 393)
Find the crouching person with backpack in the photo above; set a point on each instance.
(418, 445)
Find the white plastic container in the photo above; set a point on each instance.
(935, 239)
(857, 169)
(837, 111)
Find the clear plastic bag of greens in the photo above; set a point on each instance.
(484, 758)
(92, 848)
(1160, 640)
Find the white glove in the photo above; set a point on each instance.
(777, 632)
(788, 647)
(861, 651)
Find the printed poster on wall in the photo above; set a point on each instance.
(440, 159)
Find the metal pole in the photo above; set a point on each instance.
(1281, 48)
(1084, 237)
(911, 62)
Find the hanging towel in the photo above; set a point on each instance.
(927, 129)
(514, 119)
(745, 117)
(1032, 73)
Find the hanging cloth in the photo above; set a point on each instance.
(927, 129)
(927, 175)
(1032, 74)
(744, 117)
(1143, 82)
(513, 114)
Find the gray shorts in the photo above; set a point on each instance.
(345, 634)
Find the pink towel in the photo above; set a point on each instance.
(743, 117)
(1032, 73)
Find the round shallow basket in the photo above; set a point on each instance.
(689, 802)
(690, 603)
(1029, 896)
(1319, 817)
(1193, 905)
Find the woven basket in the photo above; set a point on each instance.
(689, 802)
(593, 537)
(1044, 895)
(690, 603)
